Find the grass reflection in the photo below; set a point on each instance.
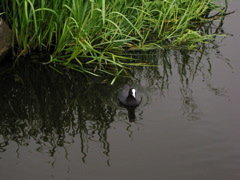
(52, 109)
(180, 67)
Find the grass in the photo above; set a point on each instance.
(89, 36)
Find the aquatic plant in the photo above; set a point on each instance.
(90, 36)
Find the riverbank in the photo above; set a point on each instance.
(91, 37)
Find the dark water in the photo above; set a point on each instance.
(187, 127)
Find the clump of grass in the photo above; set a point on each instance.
(89, 36)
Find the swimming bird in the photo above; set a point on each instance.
(129, 96)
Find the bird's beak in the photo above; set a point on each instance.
(134, 93)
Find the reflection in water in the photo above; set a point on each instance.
(183, 64)
(40, 105)
(131, 114)
(51, 108)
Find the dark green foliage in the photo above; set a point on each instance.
(89, 36)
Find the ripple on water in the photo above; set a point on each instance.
(146, 98)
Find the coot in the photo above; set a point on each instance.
(129, 96)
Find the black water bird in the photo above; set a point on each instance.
(129, 96)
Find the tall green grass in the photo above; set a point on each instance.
(90, 35)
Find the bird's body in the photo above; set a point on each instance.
(129, 96)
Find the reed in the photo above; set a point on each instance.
(90, 35)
